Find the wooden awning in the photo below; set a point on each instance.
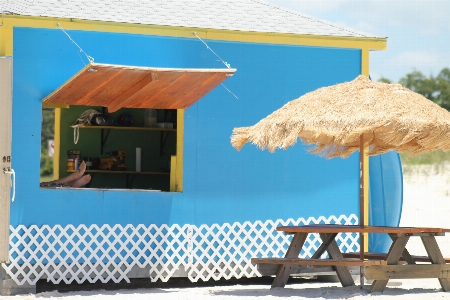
(116, 86)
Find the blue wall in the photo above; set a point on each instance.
(220, 184)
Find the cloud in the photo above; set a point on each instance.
(423, 58)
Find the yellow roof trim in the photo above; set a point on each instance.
(186, 32)
(6, 41)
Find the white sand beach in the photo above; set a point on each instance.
(426, 203)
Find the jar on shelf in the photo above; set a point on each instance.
(70, 164)
(150, 118)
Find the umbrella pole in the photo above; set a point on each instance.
(361, 206)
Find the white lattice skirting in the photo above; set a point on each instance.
(104, 253)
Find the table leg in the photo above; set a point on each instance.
(408, 258)
(392, 258)
(342, 272)
(325, 243)
(435, 255)
(293, 251)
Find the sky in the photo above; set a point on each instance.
(417, 31)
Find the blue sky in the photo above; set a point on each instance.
(418, 31)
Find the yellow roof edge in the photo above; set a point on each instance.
(187, 32)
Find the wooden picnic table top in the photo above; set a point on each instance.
(337, 228)
(388, 267)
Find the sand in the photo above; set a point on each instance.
(426, 203)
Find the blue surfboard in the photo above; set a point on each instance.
(385, 196)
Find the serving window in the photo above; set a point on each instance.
(123, 153)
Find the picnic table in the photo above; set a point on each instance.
(398, 263)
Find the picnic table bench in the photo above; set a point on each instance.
(382, 256)
(380, 268)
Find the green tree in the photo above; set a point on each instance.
(443, 89)
(419, 83)
(384, 80)
(48, 132)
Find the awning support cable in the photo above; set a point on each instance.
(224, 62)
(89, 58)
(229, 91)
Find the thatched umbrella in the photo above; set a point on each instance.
(357, 115)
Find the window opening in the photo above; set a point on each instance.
(47, 145)
(109, 147)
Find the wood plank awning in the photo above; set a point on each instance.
(116, 86)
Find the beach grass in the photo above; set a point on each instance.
(433, 162)
(435, 157)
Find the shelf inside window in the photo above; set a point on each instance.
(125, 128)
(122, 172)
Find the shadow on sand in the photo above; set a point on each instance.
(329, 292)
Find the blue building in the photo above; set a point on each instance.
(197, 207)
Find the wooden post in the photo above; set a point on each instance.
(361, 191)
(361, 206)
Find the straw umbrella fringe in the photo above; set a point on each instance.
(389, 116)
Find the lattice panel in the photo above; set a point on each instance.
(104, 253)
(224, 251)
